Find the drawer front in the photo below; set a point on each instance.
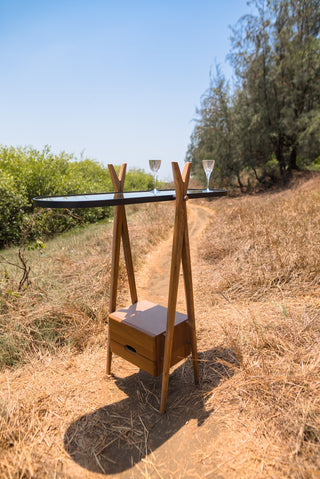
(146, 351)
(181, 347)
(126, 335)
(133, 357)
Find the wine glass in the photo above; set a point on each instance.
(208, 167)
(154, 167)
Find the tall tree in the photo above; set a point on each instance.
(274, 112)
(213, 135)
(276, 60)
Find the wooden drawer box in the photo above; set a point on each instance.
(137, 334)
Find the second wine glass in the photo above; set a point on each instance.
(208, 167)
(154, 167)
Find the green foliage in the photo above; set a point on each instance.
(12, 203)
(273, 111)
(27, 172)
(38, 245)
(138, 180)
(315, 166)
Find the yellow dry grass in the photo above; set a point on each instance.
(67, 303)
(256, 412)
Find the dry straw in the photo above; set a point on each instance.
(256, 412)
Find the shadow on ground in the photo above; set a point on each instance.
(116, 437)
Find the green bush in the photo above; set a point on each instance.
(138, 180)
(12, 203)
(28, 172)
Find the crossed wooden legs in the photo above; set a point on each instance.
(180, 253)
(120, 230)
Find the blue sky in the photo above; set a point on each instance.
(117, 80)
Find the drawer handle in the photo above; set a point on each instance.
(130, 349)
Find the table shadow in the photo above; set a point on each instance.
(117, 436)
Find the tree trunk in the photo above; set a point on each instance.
(293, 160)
(242, 189)
(281, 159)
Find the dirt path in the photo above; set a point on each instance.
(75, 422)
(153, 278)
(179, 442)
(174, 445)
(62, 417)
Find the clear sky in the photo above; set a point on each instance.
(118, 80)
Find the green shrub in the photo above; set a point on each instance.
(138, 180)
(28, 172)
(12, 203)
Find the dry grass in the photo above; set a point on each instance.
(257, 410)
(67, 303)
(261, 261)
(269, 410)
(265, 244)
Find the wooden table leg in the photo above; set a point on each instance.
(172, 302)
(186, 264)
(180, 251)
(116, 239)
(120, 230)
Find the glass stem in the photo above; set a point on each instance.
(208, 179)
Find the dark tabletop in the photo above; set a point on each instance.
(113, 199)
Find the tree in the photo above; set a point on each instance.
(273, 114)
(213, 136)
